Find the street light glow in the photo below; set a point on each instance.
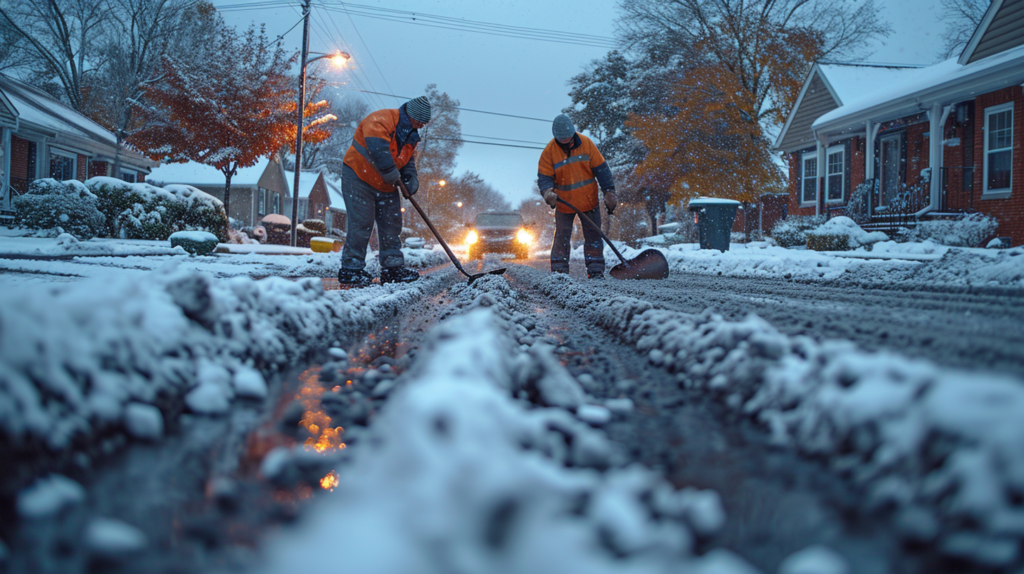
(442, 183)
(339, 59)
(459, 204)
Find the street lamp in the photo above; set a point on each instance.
(339, 59)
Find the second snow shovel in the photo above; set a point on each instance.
(472, 278)
(650, 264)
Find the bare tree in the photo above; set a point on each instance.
(962, 18)
(138, 34)
(441, 138)
(329, 155)
(63, 37)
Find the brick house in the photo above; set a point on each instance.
(41, 137)
(930, 142)
(319, 198)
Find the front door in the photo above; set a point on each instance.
(890, 160)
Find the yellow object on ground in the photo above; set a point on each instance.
(322, 244)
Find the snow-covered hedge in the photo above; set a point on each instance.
(791, 232)
(841, 234)
(970, 231)
(144, 211)
(69, 205)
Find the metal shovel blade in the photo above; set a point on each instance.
(650, 264)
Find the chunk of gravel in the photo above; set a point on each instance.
(338, 353)
(383, 388)
(249, 383)
(594, 414)
(619, 406)
(815, 559)
(113, 539)
(144, 421)
(48, 496)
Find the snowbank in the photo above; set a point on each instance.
(73, 357)
(844, 233)
(939, 448)
(460, 477)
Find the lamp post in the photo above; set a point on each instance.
(339, 58)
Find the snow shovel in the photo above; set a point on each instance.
(472, 278)
(650, 264)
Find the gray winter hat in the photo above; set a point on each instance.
(418, 109)
(562, 127)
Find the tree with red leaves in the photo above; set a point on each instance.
(229, 110)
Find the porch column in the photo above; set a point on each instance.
(934, 155)
(869, 150)
(819, 199)
(6, 198)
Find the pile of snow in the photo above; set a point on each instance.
(844, 227)
(77, 360)
(939, 447)
(969, 231)
(458, 476)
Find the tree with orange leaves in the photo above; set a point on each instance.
(228, 111)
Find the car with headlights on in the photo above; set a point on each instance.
(499, 232)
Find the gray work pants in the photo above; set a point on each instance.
(593, 247)
(365, 206)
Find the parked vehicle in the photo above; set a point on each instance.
(499, 232)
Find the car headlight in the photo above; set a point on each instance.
(472, 238)
(524, 237)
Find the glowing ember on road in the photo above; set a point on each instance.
(330, 481)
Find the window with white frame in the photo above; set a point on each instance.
(62, 165)
(261, 201)
(277, 203)
(835, 176)
(998, 148)
(303, 206)
(809, 178)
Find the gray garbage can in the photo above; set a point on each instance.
(714, 221)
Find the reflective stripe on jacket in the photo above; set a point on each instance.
(374, 149)
(574, 175)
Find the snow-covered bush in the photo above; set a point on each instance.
(790, 232)
(969, 231)
(195, 242)
(69, 205)
(841, 234)
(144, 211)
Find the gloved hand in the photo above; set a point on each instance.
(610, 201)
(551, 198)
(412, 183)
(390, 176)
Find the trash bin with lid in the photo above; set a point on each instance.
(714, 218)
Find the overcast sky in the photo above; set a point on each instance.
(506, 75)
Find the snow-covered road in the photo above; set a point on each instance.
(526, 423)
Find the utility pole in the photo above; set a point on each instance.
(300, 108)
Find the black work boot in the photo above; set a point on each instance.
(354, 278)
(398, 275)
(595, 275)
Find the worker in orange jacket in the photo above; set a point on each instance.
(571, 168)
(383, 150)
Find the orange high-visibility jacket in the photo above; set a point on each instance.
(368, 157)
(575, 174)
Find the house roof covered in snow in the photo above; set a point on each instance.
(829, 86)
(202, 175)
(307, 181)
(942, 84)
(34, 110)
(334, 193)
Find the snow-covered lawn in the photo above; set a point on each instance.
(938, 447)
(886, 262)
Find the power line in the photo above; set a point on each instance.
(367, 47)
(355, 71)
(488, 143)
(458, 108)
(480, 27)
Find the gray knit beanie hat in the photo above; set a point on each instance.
(562, 127)
(418, 109)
